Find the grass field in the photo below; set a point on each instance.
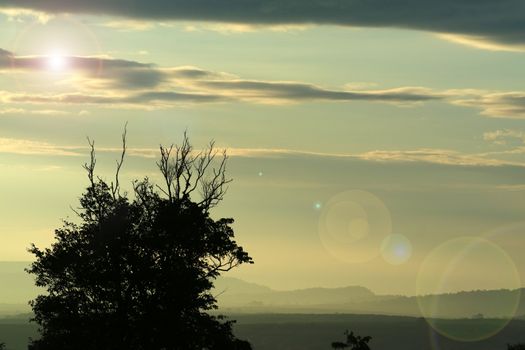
(316, 332)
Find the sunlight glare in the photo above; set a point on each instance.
(57, 62)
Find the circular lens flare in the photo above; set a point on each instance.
(352, 226)
(396, 249)
(468, 264)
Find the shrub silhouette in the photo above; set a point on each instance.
(353, 342)
(518, 346)
(136, 273)
(338, 345)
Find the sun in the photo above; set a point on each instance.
(57, 62)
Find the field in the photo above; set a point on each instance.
(316, 332)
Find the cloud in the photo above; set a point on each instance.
(140, 25)
(500, 105)
(110, 81)
(482, 43)
(436, 156)
(501, 21)
(155, 99)
(236, 28)
(294, 91)
(502, 137)
(432, 156)
(119, 83)
(12, 111)
(31, 147)
(99, 71)
(40, 148)
(129, 25)
(22, 15)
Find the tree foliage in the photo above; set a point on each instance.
(519, 346)
(136, 272)
(353, 342)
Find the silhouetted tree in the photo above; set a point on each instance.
(356, 342)
(338, 345)
(353, 342)
(137, 271)
(518, 346)
(2, 346)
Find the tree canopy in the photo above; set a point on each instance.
(136, 271)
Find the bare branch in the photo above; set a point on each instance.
(115, 188)
(184, 172)
(90, 168)
(214, 188)
(165, 169)
(221, 293)
(75, 211)
(218, 264)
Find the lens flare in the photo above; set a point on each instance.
(56, 42)
(466, 264)
(396, 249)
(352, 226)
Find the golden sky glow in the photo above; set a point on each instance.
(362, 152)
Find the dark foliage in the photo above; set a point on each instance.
(353, 342)
(339, 345)
(518, 346)
(136, 273)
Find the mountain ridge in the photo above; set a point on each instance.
(236, 295)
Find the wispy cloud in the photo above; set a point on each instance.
(129, 25)
(42, 148)
(94, 71)
(501, 137)
(140, 25)
(296, 91)
(482, 43)
(239, 28)
(129, 83)
(112, 82)
(437, 156)
(24, 14)
(497, 104)
(501, 21)
(432, 156)
(16, 111)
(31, 147)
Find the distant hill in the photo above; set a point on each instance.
(16, 286)
(235, 295)
(233, 292)
(471, 304)
(238, 286)
(253, 298)
(14, 309)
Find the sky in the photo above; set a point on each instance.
(373, 143)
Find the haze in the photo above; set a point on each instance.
(367, 148)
